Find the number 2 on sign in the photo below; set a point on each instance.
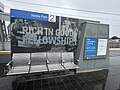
(52, 18)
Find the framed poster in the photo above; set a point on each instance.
(90, 47)
(102, 47)
(95, 48)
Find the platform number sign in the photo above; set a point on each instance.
(52, 18)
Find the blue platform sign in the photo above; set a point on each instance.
(91, 47)
(28, 15)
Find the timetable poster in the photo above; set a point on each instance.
(102, 47)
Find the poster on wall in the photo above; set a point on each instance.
(38, 32)
(90, 47)
(102, 47)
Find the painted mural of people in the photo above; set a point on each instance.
(75, 34)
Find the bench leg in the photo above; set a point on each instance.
(74, 70)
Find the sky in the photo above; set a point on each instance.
(105, 11)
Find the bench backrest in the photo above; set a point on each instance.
(54, 58)
(21, 59)
(38, 58)
(68, 56)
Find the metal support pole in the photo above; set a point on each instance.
(1, 35)
(4, 30)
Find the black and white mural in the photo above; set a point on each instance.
(30, 35)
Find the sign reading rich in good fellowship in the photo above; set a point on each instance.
(32, 29)
(91, 47)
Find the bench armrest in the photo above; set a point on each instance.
(29, 63)
(9, 65)
(77, 59)
(47, 61)
(63, 61)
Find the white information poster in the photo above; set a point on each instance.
(102, 47)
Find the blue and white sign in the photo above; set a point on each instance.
(91, 47)
(32, 15)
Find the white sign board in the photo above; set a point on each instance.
(102, 47)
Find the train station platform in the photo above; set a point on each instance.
(98, 80)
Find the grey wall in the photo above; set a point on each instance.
(6, 46)
(95, 30)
